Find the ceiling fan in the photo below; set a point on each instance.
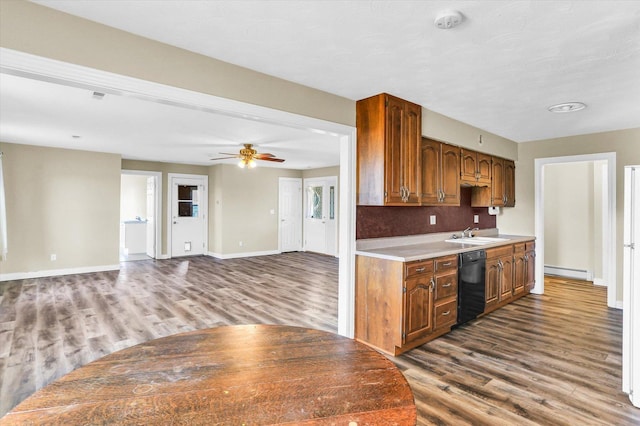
(248, 155)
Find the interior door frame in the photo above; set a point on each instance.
(46, 69)
(609, 237)
(158, 206)
(204, 208)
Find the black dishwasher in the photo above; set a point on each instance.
(471, 299)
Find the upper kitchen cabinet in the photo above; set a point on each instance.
(502, 191)
(440, 174)
(388, 151)
(509, 183)
(475, 168)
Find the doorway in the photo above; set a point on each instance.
(290, 214)
(140, 215)
(188, 210)
(609, 215)
(320, 213)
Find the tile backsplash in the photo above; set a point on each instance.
(376, 222)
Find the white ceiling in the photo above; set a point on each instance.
(499, 70)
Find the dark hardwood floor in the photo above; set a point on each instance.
(552, 359)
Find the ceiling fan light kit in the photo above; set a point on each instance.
(248, 157)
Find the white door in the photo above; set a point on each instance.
(320, 215)
(188, 215)
(290, 214)
(631, 283)
(151, 217)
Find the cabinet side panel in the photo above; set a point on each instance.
(370, 124)
(378, 319)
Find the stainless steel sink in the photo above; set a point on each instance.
(476, 240)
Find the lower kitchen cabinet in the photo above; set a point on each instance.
(401, 305)
(509, 274)
(530, 266)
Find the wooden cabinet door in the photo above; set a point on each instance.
(402, 158)
(393, 163)
(530, 257)
(497, 181)
(519, 269)
(492, 282)
(412, 161)
(509, 183)
(506, 277)
(468, 167)
(430, 172)
(483, 169)
(418, 307)
(450, 176)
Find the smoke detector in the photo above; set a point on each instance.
(448, 19)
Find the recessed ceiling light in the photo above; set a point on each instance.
(75, 136)
(448, 19)
(98, 96)
(567, 107)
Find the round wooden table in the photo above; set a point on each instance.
(235, 375)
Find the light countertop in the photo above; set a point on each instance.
(419, 247)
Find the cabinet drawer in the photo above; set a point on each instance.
(418, 267)
(446, 314)
(446, 263)
(519, 248)
(500, 251)
(530, 245)
(446, 285)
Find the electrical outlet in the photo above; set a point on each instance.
(432, 219)
(476, 218)
(53, 257)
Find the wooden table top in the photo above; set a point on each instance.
(236, 375)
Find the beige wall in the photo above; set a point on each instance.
(241, 201)
(521, 219)
(444, 129)
(133, 197)
(60, 201)
(165, 169)
(568, 216)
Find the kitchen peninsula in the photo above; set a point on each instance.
(407, 287)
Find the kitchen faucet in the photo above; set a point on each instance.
(468, 229)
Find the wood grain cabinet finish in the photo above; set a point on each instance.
(497, 182)
(402, 305)
(440, 174)
(475, 168)
(502, 191)
(519, 268)
(388, 151)
(498, 277)
(509, 183)
(530, 262)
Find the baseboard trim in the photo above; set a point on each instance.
(238, 255)
(576, 274)
(57, 272)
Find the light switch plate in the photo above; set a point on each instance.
(432, 219)
(476, 218)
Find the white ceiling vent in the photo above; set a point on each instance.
(448, 19)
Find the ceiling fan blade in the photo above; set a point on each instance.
(264, 155)
(222, 158)
(277, 160)
(228, 153)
